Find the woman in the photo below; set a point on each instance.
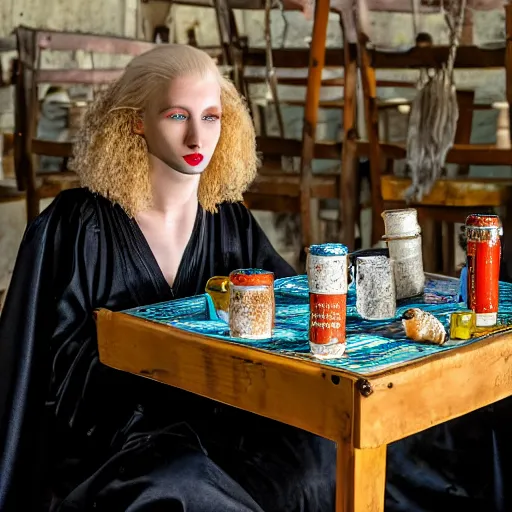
(164, 156)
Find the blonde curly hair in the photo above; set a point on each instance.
(112, 160)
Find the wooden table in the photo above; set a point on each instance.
(361, 414)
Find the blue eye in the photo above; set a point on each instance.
(177, 117)
(211, 119)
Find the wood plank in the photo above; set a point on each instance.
(322, 186)
(349, 191)
(9, 191)
(292, 57)
(70, 41)
(360, 478)
(330, 150)
(371, 115)
(278, 185)
(293, 80)
(51, 189)
(331, 82)
(410, 399)
(462, 192)
(474, 154)
(268, 203)
(448, 235)
(52, 148)
(478, 155)
(508, 58)
(465, 101)
(468, 57)
(315, 69)
(340, 103)
(452, 214)
(292, 391)
(8, 142)
(431, 241)
(77, 76)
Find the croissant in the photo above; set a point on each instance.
(422, 326)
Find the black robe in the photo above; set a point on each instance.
(63, 415)
(76, 435)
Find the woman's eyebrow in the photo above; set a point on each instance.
(171, 107)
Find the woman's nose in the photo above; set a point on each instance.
(193, 137)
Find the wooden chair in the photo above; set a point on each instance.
(30, 75)
(451, 200)
(279, 191)
(276, 189)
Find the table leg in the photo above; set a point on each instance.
(360, 479)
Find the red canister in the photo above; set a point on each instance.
(327, 318)
(483, 267)
(327, 267)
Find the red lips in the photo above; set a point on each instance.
(193, 159)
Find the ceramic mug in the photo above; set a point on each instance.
(374, 283)
(245, 300)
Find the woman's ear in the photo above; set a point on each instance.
(139, 126)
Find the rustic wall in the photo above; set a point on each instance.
(103, 16)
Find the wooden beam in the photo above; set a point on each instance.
(291, 57)
(239, 376)
(52, 148)
(465, 101)
(349, 189)
(316, 65)
(294, 81)
(371, 116)
(454, 383)
(77, 76)
(72, 41)
(462, 192)
(328, 150)
(255, 201)
(322, 186)
(340, 103)
(508, 59)
(462, 154)
(468, 57)
(69, 41)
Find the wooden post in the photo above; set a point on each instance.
(372, 126)
(508, 58)
(466, 37)
(349, 189)
(507, 221)
(360, 478)
(26, 122)
(316, 65)
(465, 101)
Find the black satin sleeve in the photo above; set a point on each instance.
(49, 300)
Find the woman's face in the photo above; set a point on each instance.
(182, 128)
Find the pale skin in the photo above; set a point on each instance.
(185, 120)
